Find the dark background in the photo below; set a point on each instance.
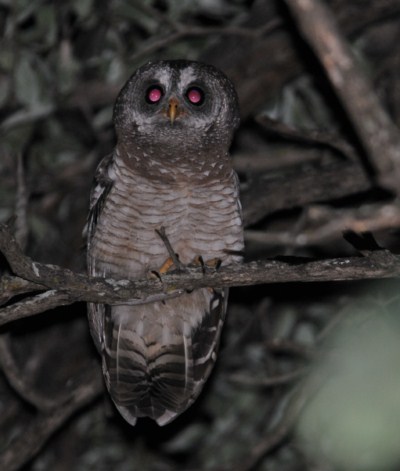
(305, 179)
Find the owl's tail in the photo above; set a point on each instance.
(157, 356)
(148, 367)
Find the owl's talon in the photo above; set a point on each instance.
(154, 275)
(171, 265)
(212, 264)
(198, 261)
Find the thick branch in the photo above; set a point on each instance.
(300, 187)
(59, 286)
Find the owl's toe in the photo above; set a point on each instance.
(171, 264)
(211, 264)
(214, 263)
(166, 266)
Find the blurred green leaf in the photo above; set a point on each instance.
(354, 420)
(83, 8)
(7, 55)
(31, 81)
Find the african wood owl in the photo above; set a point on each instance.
(174, 122)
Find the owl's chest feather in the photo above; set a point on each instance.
(198, 220)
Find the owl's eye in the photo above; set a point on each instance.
(154, 94)
(195, 95)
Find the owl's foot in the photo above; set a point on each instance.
(173, 259)
(167, 266)
(172, 264)
(209, 265)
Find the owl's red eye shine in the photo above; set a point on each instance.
(195, 95)
(154, 94)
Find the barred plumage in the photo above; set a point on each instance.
(171, 170)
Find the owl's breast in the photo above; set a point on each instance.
(198, 220)
(213, 226)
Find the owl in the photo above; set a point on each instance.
(170, 170)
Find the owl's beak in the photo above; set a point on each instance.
(173, 109)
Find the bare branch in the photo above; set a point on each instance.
(19, 382)
(35, 305)
(271, 381)
(36, 434)
(325, 224)
(182, 31)
(378, 135)
(311, 137)
(11, 286)
(296, 188)
(60, 286)
(21, 204)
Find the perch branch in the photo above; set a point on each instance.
(59, 286)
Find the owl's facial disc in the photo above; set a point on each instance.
(171, 104)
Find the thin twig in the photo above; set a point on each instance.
(19, 382)
(283, 346)
(327, 224)
(183, 32)
(29, 441)
(21, 205)
(271, 381)
(311, 137)
(34, 305)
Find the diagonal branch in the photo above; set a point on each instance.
(36, 433)
(376, 132)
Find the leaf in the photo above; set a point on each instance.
(27, 82)
(32, 77)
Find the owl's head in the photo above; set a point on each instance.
(177, 105)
